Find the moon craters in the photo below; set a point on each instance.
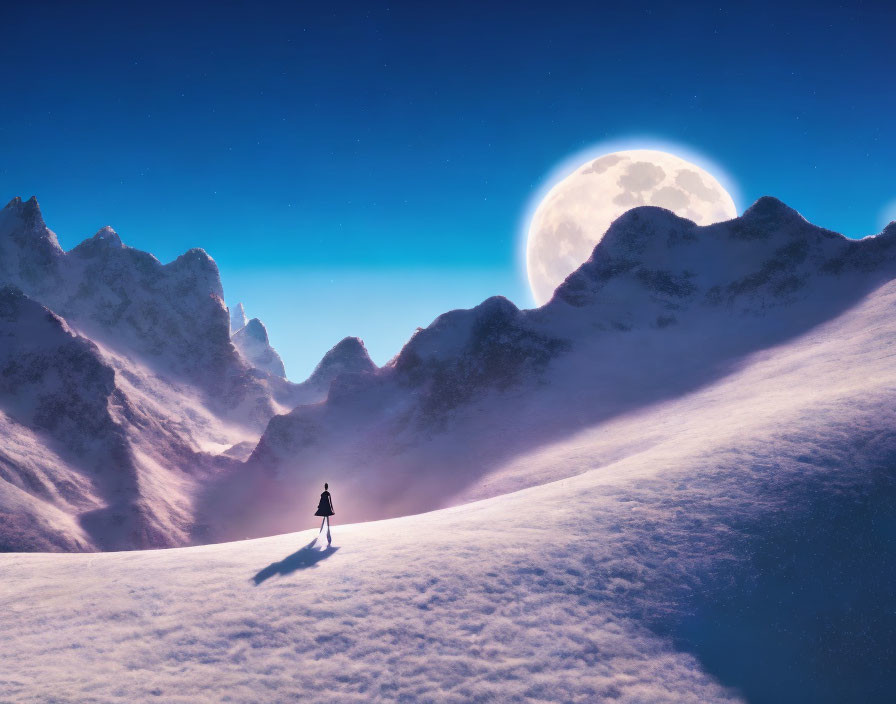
(598, 166)
(691, 181)
(641, 176)
(671, 198)
(574, 215)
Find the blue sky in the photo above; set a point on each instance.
(357, 169)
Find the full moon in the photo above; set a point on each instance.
(577, 211)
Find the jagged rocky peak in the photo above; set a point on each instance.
(196, 259)
(28, 209)
(108, 236)
(238, 319)
(172, 315)
(30, 254)
(489, 346)
(642, 230)
(198, 270)
(453, 332)
(23, 219)
(348, 356)
(104, 240)
(252, 342)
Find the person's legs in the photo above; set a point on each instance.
(328, 530)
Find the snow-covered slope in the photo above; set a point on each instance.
(73, 475)
(730, 543)
(662, 308)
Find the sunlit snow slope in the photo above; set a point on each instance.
(734, 543)
(662, 308)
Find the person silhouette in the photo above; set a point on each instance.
(325, 509)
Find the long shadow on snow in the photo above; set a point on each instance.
(301, 559)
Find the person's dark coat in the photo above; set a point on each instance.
(325, 507)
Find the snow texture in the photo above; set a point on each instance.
(733, 543)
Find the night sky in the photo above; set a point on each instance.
(357, 169)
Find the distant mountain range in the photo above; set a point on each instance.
(119, 384)
(139, 412)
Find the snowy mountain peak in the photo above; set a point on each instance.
(28, 210)
(651, 263)
(23, 221)
(199, 271)
(30, 206)
(256, 330)
(769, 208)
(462, 352)
(197, 258)
(108, 236)
(347, 347)
(639, 226)
(238, 318)
(171, 315)
(252, 342)
(451, 333)
(105, 239)
(349, 355)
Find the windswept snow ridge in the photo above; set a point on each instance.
(662, 308)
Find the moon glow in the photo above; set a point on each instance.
(577, 211)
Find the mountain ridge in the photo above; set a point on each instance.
(143, 349)
(662, 307)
